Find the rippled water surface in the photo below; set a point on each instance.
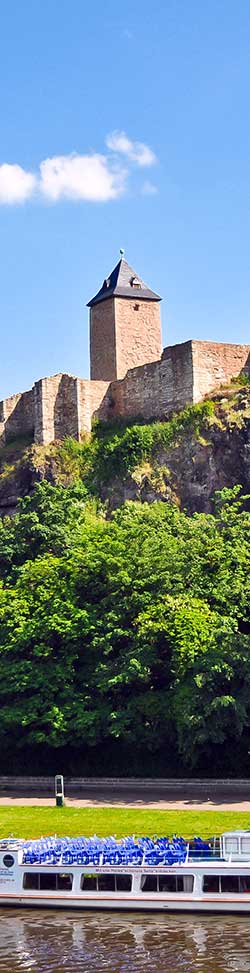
(94, 943)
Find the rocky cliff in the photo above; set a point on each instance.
(183, 461)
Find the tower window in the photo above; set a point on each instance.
(136, 307)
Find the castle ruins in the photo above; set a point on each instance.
(131, 376)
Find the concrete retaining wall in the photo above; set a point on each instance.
(76, 785)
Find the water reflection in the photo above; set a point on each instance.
(36, 941)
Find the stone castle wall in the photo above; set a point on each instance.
(17, 417)
(156, 389)
(64, 405)
(93, 399)
(215, 363)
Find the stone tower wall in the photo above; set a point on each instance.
(124, 333)
(137, 333)
(102, 341)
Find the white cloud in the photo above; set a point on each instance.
(94, 177)
(135, 151)
(16, 185)
(89, 177)
(148, 188)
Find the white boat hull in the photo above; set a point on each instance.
(130, 903)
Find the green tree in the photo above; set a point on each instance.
(133, 629)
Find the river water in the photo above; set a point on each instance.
(60, 942)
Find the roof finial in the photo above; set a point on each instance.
(122, 253)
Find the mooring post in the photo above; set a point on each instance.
(59, 790)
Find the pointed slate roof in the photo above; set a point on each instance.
(124, 282)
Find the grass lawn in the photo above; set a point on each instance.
(32, 822)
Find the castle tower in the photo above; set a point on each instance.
(125, 325)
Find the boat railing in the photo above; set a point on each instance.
(130, 851)
(11, 844)
(101, 852)
(213, 853)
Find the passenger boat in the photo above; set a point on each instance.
(140, 874)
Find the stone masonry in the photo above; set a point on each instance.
(123, 334)
(130, 378)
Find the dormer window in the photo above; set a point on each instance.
(106, 283)
(135, 282)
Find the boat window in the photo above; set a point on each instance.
(89, 883)
(167, 883)
(232, 846)
(50, 881)
(244, 883)
(245, 846)
(31, 880)
(187, 883)
(149, 883)
(47, 881)
(211, 883)
(123, 883)
(175, 883)
(229, 883)
(106, 883)
(226, 883)
(64, 882)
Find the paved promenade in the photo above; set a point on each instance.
(134, 799)
(152, 805)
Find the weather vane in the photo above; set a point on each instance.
(122, 252)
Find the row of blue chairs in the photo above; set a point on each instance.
(109, 851)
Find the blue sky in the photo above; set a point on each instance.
(174, 76)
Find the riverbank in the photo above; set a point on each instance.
(139, 803)
(31, 822)
(199, 794)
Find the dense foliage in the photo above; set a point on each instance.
(125, 635)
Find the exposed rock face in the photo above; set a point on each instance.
(191, 473)
(192, 470)
(187, 473)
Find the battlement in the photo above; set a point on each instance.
(64, 405)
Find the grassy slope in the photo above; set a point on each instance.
(31, 822)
